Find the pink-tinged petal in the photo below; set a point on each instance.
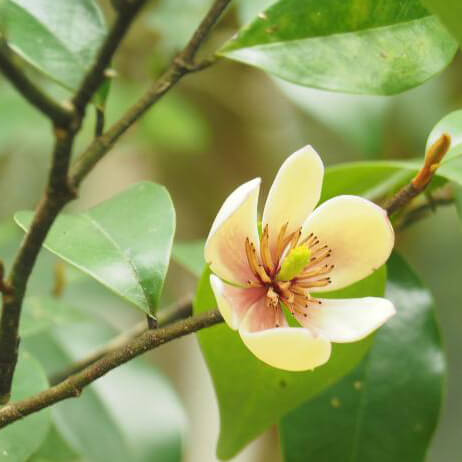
(348, 320)
(294, 193)
(236, 221)
(261, 317)
(288, 348)
(358, 232)
(234, 302)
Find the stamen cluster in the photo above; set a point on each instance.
(294, 293)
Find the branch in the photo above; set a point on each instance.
(433, 158)
(73, 386)
(56, 196)
(44, 103)
(62, 186)
(180, 310)
(95, 76)
(183, 64)
(58, 193)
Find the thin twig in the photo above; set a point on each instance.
(30, 91)
(95, 76)
(433, 158)
(183, 64)
(180, 310)
(73, 385)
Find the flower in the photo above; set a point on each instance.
(300, 251)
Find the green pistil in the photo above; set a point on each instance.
(294, 263)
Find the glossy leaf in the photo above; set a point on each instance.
(252, 395)
(60, 39)
(20, 439)
(246, 11)
(124, 242)
(190, 255)
(395, 44)
(387, 409)
(131, 414)
(450, 13)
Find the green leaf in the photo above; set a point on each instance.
(190, 255)
(252, 395)
(356, 46)
(248, 10)
(124, 242)
(58, 38)
(41, 313)
(450, 13)
(54, 449)
(387, 409)
(132, 414)
(19, 440)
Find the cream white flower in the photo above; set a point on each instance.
(301, 251)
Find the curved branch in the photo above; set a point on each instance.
(73, 385)
(44, 103)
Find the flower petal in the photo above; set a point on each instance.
(358, 232)
(294, 193)
(225, 245)
(288, 348)
(348, 320)
(234, 302)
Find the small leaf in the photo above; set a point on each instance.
(20, 439)
(252, 395)
(124, 242)
(387, 409)
(190, 255)
(132, 414)
(378, 47)
(58, 38)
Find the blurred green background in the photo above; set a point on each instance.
(215, 130)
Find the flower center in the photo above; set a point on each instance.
(290, 270)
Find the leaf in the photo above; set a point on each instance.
(450, 13)
(252, 395)
(124, 242)
(41, 313)
(248, 10)
(190, 255)
(58, 38)
(20, 439)
(387, 409)
(378, 47)
(131, 414)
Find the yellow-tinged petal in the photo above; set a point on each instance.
(236, 221)
(294, 193)
(288, 348)
(234, 302)
(348, 320)
(359, 234)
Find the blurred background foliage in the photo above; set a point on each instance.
(217, 129)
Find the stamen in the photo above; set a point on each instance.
(315, 272)
(295, 238)
(322, 257)
(265, 252)
(280, 241)
(272, 298)
(253, 264)
(259, 268)
(319, 283)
